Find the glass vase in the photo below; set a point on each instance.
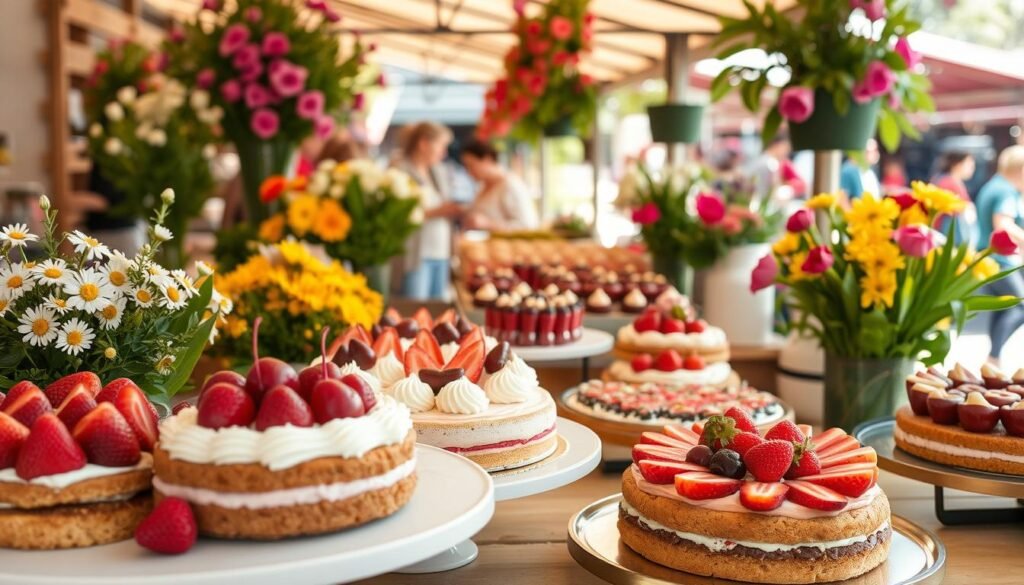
(675, 270)
(260, 159)
(860, 389)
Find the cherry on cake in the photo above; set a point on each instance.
(75, 462)
(721, 500)
(670, 324)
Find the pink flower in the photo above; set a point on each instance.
(251, 72)
(519, 6)
(331, 15)
(287, 79)
(213, 5)
(915, 240)
(320, 5)
(818, 260)
(256, 96)
(647, 214)
(561, 28)
(246, 57)
(796, 103)
(861, 93)
(538, 46)
(177, 34)
(763, 275)
(235, 36)
(276, 44)
(253, 14)
(710, 208)
(1001, 243)
(800, 221)
(310, 105)
(731, 225)
(358, 101)
(894, 101)
(910, 56)
(879, 79)
(873, 9)
(323, 127)
(205, 78)
(264, 123)
(382, 81)
(231, 90)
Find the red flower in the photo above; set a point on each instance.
(561, 28)
(764, 273)
(904, 200)
(799, 221)
(1001, 243)
(818, 260)
(272, 188)
(710, 208)
(647, 214)
(533, 28)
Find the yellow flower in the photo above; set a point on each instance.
(796, 267)
(822, 201)
(937, 199)
(877, 288)
(882, 257)
(913, 215)
(301, 214)
(272, 228)
(985, 269)
(332, 223)
(868, 213)
(787, 244)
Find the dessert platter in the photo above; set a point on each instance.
(720, 500)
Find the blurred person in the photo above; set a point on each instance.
(766, 172)
(1000, 208)
(340, 147)
(855, 180)
(956, 167)
(423, 146)
(894, 176)
(502, 201)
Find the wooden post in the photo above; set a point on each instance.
(677, 78)
(60, 184)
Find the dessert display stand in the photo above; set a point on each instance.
(608, 322)
(878, 434)
(579, 452)
(590, 344)
(454, 499)
(916, 556)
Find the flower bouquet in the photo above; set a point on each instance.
(849, 64)
(543, 91)
(97, 310)
(879, 290)
(297, 294)
(148, 133)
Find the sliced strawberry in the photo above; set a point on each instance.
(474, 336)
(669, 361)
(77, 404)
(133, 405)
(48, 450)
(742, 418)
(649, 321)
(861, 455)
(697, 326)
(762, 497)
(388, 342)
(17, 390)
(470, 358)
(827, 438)
(683, 434)
(698, 426)
(225, 405)
(447, 317)
(706, 486)
(651, 438)
(769, 461)
(283, 406)
(659, 453)
(664, 472)
(57, 391)
(641, 362)
(693, 362)
(110, 391)
(850, 480)
(805, 462)
(426, 341)
(27, 406)
(169, 529)
(392, 315)
(807, 430)
(785, 431)
(359, 332)
(670, 325)
(843, 445)
(106, 438)
(422, 316)
(814, 496)
(744, 442)
(12, 436)
(417, 359)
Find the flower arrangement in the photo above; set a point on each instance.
(148, 133)
(298, 294)
(844, 50)
(97, 310)
(881, 283)
(359, 212)
(543, 86)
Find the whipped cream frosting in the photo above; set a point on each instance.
(462, 397)
(635, 298)
(414, 393)
(712, 375)
(449, 350)
(711, 338)
(599, 298)
(63, 480)
(373, 381)
(954, 450)
(522, 369)
(285, 446)
(507, 387)
(388, 369)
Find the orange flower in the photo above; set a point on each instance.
(272, 188)
(298, 184)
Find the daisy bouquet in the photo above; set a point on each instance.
(880, 282)
(98, 310)
(359, 212)
(297, 293)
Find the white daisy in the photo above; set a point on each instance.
(17, 235)
(115, 272)
(143, 296)
(88, 245)
(52, 271)
(110, 315)
(162, 234)
(157, 275)
(75, 336)
(38, 325)
(185, 283)
(220, 304)
(165, 365)
(203, 268)
(57, 304)
(15, 281)
(86, 291)
(172, 297)
(4, 305)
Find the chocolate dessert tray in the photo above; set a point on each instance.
(879, 435)
(916, 555)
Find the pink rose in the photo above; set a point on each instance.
(796, 103)
(235, 36)
(256, 96)
(818, 260)
(873, 9)
(764, 274)
(910, 56)
(800, 221)
(231, 90)
(264, 123)
(276, 44)
(915, 240)
(647, 214)
(287, 79)
(879, 79)
(862, 94)
(205, 78)
(561, 28)
(251, 72)
(1001, 243)
(246, 56)
(310, 105)
(323, 127)
(710, 208)
(253, 14)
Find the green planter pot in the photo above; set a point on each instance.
(675, 122)
(858, 390)
(676, 271)
(561, 128)
(826, 129)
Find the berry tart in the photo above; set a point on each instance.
(278, 454)
(964, 419)
(670, 324)
(670, 368)
(75, 462)
(719, 499)
(528, 318)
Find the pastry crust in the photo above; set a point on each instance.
(517, 457)
(73, 526)
(996, 442)
(97, 489)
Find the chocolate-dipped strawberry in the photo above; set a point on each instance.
(362, 354)
(445, 333)
(994, 379)
(961, 375)
(977, 415)
(999, 398)
(918, 395)
(407, 328)
(546, 324)
(497, 357)
(1013, 419)
(936, 372)
(387, 319)
(942, 407)
(463, 326)
(438, 379)
(528, 318)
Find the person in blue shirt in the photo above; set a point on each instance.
(854, 180)
(1000, 207)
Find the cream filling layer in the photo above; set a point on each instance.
(954, 449)
(710, 338)
(301, 496)
(63, 480)
(599, 410)
(451, 430)
(722, 545)
(712, 375)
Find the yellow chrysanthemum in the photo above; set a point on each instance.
(787, 244)
(913, 215)
(864, 242)
(937, 199)
(883, 257)
(332, 223)
(985, 269)
(877, 288)
(822, 201)
(272, 228)
(796, 267)
(868, 214)
(302, 213)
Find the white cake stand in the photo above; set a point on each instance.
(453, 500)
(591, 343)
(582, 455)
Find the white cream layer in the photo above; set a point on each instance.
(450, 430)
(716, 374)
(601, 411)
(954, 450)
(63, 480)
(301, 496)
(722, 545)
(710, 338)
(285, 446)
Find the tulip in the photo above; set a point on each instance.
(1001, 243)
(710, 208)
(763, 275)
(796, 103)
(904, 200)
(800, 221)
(647, 214)
(910, 56)
(862, 93)
(915, 240)
(879, 79)
(818, 260)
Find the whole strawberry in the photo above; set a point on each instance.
(805, 462)
(718, 432)
(785, 431)
(769, 461)
(742, 419)
(169, 529)
(744, 442)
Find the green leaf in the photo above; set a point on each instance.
(772, 121)
(186, 360)
(721, 85)
(958, 312)
(888, 130)
(194, 309)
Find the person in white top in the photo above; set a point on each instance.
(503, 202)
(428, 253)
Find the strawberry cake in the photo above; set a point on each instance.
(75, 462)
(670, 324)
(718, 499)
(668, 367)
(964, 419)
(280, 453)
